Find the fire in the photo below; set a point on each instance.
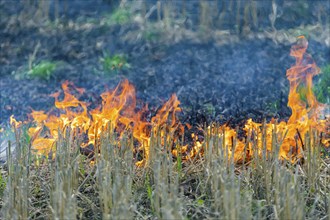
(304, 118)
(120, 112)
(291, 134)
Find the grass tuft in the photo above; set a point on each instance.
(42, 70)
(114, 63)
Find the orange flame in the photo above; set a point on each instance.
(305, 116)
(119, 110)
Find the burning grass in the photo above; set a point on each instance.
(138, 165)
(212, 186)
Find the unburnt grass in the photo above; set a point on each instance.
(108, 184)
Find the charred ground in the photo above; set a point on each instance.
(238, 80)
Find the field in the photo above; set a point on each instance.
(164, 110)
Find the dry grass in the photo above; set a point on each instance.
(173, 21)
(210, 186)
(69, 185)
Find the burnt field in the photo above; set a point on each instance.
(164, 109)
(213, 76)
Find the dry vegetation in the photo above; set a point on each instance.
(110, 186)
(173, 21)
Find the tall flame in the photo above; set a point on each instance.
(302, 73)
(305, 117)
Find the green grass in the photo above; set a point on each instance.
(2, 184)
(43, 70)
(120, 16)
(112, 64)
(70, 186)
(321, 87)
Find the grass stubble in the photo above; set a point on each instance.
(70, 185)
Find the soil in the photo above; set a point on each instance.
(240, 80)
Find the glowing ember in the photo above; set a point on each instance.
(119, 111)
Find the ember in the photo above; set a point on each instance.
(119, 112)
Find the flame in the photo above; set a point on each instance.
(14, 123)
(302, 72)
(305, 115)
(292, 134)
(119, 111)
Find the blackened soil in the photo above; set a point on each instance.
(213, 82)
